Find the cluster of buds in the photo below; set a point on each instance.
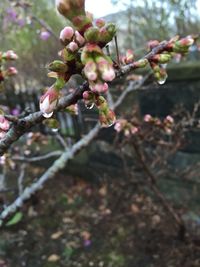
(174, 46)
(128, 128)
(166, 124)
(4, 126)
(128, 58)
(7, 56)
(98, 68)
(82, 53)
(106, 115)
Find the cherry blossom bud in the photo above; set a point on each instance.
(162, 58)
(183, 45)
(48, 102)
(90, 70)
(91, 35)
(70, 8)
(106, 69)
(107, 119)
(148, 118)
(152, 43)
(169, 119)
(107, 33)
(100, 22)
(141, 63)
(98, 87)
(4, 124)
(58, 66)
(79, 38)
(66, 35)
(88, 50)
(129, 56)
(11, 71)
(10, 55)
(72, 46)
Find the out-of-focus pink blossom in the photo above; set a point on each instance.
(44, 35)
(148, 118)
(4, 124)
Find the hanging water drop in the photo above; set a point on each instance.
(47, 115)
(162, 80)
(54, 130)
(89, 105)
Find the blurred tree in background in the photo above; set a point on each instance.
(145, 20)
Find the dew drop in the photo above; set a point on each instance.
(89, 106)
(54, 130)
(162, 80)
(47, 115)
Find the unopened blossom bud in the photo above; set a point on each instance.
(88, 51)
(100, 22)
(129, 56)
(72, 46)
(82, 23)
(169, 119)
(107, 119)
(98, 87)
(91, 35)
(70, 8)
(134, 129)
(148, 118)
(141, 63)
(58, 66)
(90, 70)
(4, 124)
(152, 43)
(107, 33)
(66, 35)
(183, 44)
(11, 71)
(79, 38)
(48, 102)
(162, 58)
(106, 69)
(10, 55)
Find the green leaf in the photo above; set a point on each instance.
(15, 219)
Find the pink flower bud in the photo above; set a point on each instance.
(10, 55)
(129, 56)
(152, 43)
(169, 119)
(72, 46)
(79, 38)
(70, 8)
(148, 118)
(4, 124)
(99, 87)
(106, 69)
(100, 23)
(11, 71)
(66, 35)
(48, 102)
(90, 70)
